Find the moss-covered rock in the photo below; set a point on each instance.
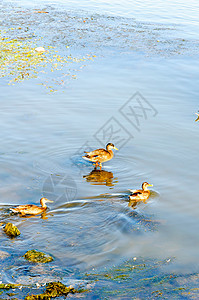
(53, 290)
(37, 257)
(11, 230)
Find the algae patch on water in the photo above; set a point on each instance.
(11, 230)
(37, 257)
(20, 59)
(7, 286)
(53, 290)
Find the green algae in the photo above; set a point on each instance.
(4, 287)
(11, 230)
(121, 276)
(37, 257)
(53, 290)
(38, 297)
(157, 293)
(11, 294)
(143, 279)
(20, 60)
(7, 286)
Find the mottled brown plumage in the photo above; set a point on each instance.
(140, 195)
(99, 156)
(30, 209)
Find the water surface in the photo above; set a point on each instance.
(141, 58)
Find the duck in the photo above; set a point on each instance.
(140, 195)
(100, 156)
(197, 117)
(30, 209)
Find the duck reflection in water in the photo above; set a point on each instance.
(43, 216)
(100, 177)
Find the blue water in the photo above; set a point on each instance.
(147, 50)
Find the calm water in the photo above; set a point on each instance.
(150, 49)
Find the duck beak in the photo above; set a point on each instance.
(51, 201)
(115, 148)
(150, 185)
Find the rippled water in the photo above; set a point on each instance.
(147, 55)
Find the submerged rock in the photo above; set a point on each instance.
(38, 257)
(53, 290)
(4, 254)
(11, 230)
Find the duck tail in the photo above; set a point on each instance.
(132, 191)
(14, 210)
(86, 157)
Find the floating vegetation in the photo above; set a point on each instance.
(69, 39)
(4, 287)
(11, 230)
(53, 290)
(144, 279)
(7, 286)
(18, 59)
(37, 257)
(21, 59)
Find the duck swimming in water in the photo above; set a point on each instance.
(140, 195)
(99, 156)
(30, 209)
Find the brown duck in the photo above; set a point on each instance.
(30, 209)
(100, 156)
(140, 195)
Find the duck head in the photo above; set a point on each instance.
(110, 146)
(44, 200)
(145, 185)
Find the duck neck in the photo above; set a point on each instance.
(110, 152)
(43, 204)
(145, 188)
(108, 148)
